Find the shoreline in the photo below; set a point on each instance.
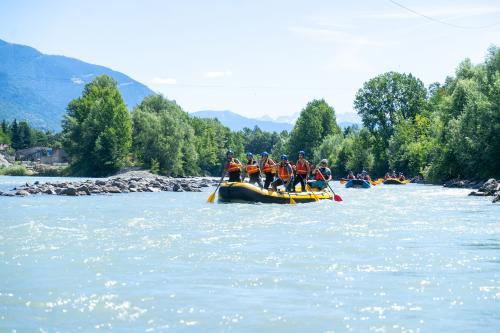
(129, 182)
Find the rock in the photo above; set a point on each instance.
(496, 199)
(490, 187)
(37, 182)
(49, 191)
(84, 189)
(152, 189)
(111, 189)
(22, 193)
(100, 182)
(3, 194)
(477, 194)
(71, 191)
(177, 188)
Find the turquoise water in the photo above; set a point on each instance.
(409, 258)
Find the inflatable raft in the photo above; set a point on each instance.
(392, 181)
(244, 192)
(357, 183)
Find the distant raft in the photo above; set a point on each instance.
(357, 183)
(392, 181)
(244, 192)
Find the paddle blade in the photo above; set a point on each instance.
(292, 202)
(211, 198)
(342, 181)
(337, 197)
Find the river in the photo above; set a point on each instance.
(411, 258)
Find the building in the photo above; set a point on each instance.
(45, 155)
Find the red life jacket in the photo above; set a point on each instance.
(269, 166)
(252, 168)
(284, 172)
(233, 166)
(319, 175)
(350, 177)
(301, 167)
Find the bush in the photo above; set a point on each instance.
(15, 170)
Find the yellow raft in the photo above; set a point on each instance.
(244, 192)
(393, 181)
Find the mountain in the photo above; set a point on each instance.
(237, 122)
(37, 87)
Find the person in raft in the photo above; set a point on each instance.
(401, 177)
(387, 176)
(285, 174)
(366, 176)
(268, 167)
(252, 169)
(233, 167)
(350, 175)
(302, 169)
(322, 174)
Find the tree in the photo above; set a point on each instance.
(24, 135)
(316, 121)
(384, 102)
(97, 129)
(163, 134)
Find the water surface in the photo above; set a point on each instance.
(409, 258)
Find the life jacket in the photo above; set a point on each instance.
(350, 177)
(319, 173)
(233, 166)
(301, 167)
(252, 167)
(402, 178)
(283, 171)
(269, 166)
(367, 178)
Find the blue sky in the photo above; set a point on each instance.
(258, 58)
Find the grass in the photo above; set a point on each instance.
(15, 170)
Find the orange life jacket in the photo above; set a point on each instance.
(252, 168)
(269, 166)
(284, 172)
(301, 167)
(233, 166)
(319, 176)
(350, 177)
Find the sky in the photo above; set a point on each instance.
(259, 58)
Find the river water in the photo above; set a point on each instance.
(411, 258)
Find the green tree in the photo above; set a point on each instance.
(384, 102)
(163, 134)
(97, 129)
(316, 121)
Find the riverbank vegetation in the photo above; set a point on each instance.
(444, 131)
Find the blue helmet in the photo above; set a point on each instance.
(264, 153)
(249, 154)
(302, 153)
(229, 152)
(284, 157)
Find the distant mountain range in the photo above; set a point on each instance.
(38, 87)
(237, 122)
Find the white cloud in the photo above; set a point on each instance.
(216, 74)
(77, 80)
(163, 81)
(333, 36)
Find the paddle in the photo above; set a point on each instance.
(292, 202)
(211, 197)
(336, 197)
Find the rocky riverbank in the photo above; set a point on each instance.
(491, 187)
(125, 183)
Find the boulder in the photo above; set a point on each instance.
(111, 189)
(477, 194)
(152, 189)
(22, 193)
(497, 198)
(84, 189)
(177, 188)
(71, 191)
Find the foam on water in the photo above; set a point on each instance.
(388, 259)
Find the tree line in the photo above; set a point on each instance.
(19, 135)
(444, 131)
